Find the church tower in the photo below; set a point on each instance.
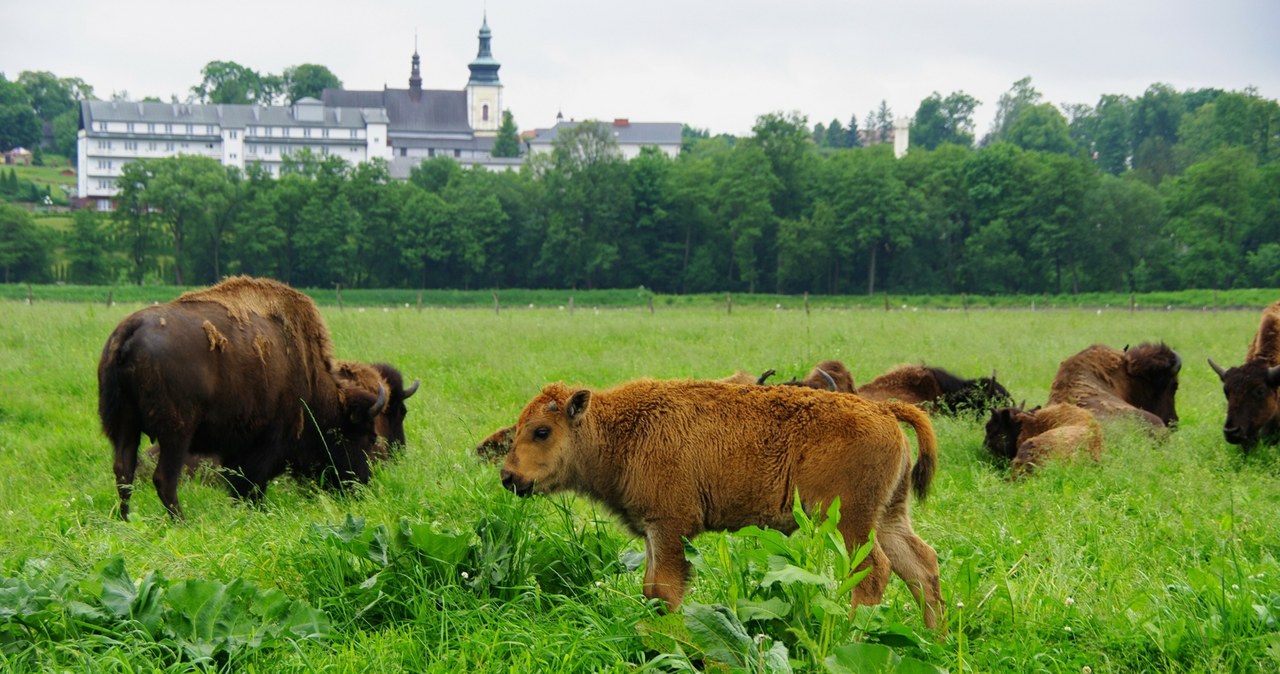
(484, 91)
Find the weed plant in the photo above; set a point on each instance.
(1161, 557)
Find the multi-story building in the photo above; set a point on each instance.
(114, 133)
(630, 136)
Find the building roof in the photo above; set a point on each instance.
(226, 116)
(625, 132)
(435, 110)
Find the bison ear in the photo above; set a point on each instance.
(577, 405)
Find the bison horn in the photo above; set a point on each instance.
(380, 403)
(830, 380)
(412, 389)
(764, 376)
(1177, 363)
(1222, 374)
(1273, 376)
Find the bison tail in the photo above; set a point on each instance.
(927, 457)
(111, 396)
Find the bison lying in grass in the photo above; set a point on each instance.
(1253, 389)
(829, 375)
(1029, 438)
(675, 458)
(937, 390)
(1137, 383)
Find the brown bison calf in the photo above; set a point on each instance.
(1028, 438)
(675, 458)
(1253, 389)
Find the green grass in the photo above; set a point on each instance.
(1164, 557)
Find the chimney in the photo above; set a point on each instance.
(622, 121)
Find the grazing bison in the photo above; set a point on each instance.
(675, 458)
(1028, 438)
(1253, 389)
(497, 445)
(243, 371)
(937, 389)
(1140, 382)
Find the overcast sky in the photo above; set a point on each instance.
(715, 65)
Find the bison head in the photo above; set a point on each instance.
(1153, 379)
(1253, 402)
(544, 439)
(390, 424)
(1002, 431)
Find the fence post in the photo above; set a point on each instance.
(419, 301)
(571, 305)
(30, 298)
(109, 293)
(728, 303)
(886, 302)
(340, 308)
(496, 307)
(806, 303)
(651, 305)
(1133, 305)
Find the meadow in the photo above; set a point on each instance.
(1163, 557)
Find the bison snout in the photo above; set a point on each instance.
(515, 484)
(1234, 435)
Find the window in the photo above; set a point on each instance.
(485, 113)
(324, 133)
(233, 155)
(151, 147)
(355, 133)
(270, 149)
(404, 152)
(457, 154)
(251, 149)
(306, 133)
(131, 145)
(128, 126)
(168, 147)
(168, 128)
(151, 127)
(208, 129)
(102, 126)
(324, 150)
(268, 131)
(235, 134)
(191, 129)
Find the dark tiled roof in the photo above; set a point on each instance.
(226, 116)
(435, 111)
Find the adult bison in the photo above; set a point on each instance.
(389, 425)
(1138, 382)
(1029, 438)
(675, 458)
(243, 371)
(937, 389)
(1253, 389)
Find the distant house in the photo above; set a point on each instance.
(18, 156)
(630, 136)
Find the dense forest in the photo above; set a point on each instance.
(1165, 191)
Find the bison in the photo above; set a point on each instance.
(675, 458)
(1028, 438)
(1140, 382)
(937, 389)
(829, 375)
(243, 371)
(1253, 389)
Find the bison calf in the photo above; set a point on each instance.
(675, 458)
(1029, 438)
(1253, 389)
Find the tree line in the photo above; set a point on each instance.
(1165, 191)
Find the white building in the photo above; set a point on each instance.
(114, 133)
(630, 136)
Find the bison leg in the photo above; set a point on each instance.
(915, 562)
(666, 570)
(125, 442)
(173, 454)
(855, 528)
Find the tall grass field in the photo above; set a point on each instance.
(1165, 556)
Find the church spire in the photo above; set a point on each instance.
(484, 70)
(415, 75)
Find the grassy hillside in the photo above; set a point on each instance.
(1163, 557)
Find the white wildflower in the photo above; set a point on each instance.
(466, 576)
(1070, 601)
(1086, 670)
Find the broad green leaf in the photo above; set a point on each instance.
(769, 609)
(113, 587)
(875, 659)
(718, 633)
(447, 548)
(781, 571)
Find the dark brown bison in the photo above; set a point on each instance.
(1253, 389)
(497, 445)
(1029, 438)
(389, 425)
(675, 458)
(243, 371)
(937, 390)
(1138, 382)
